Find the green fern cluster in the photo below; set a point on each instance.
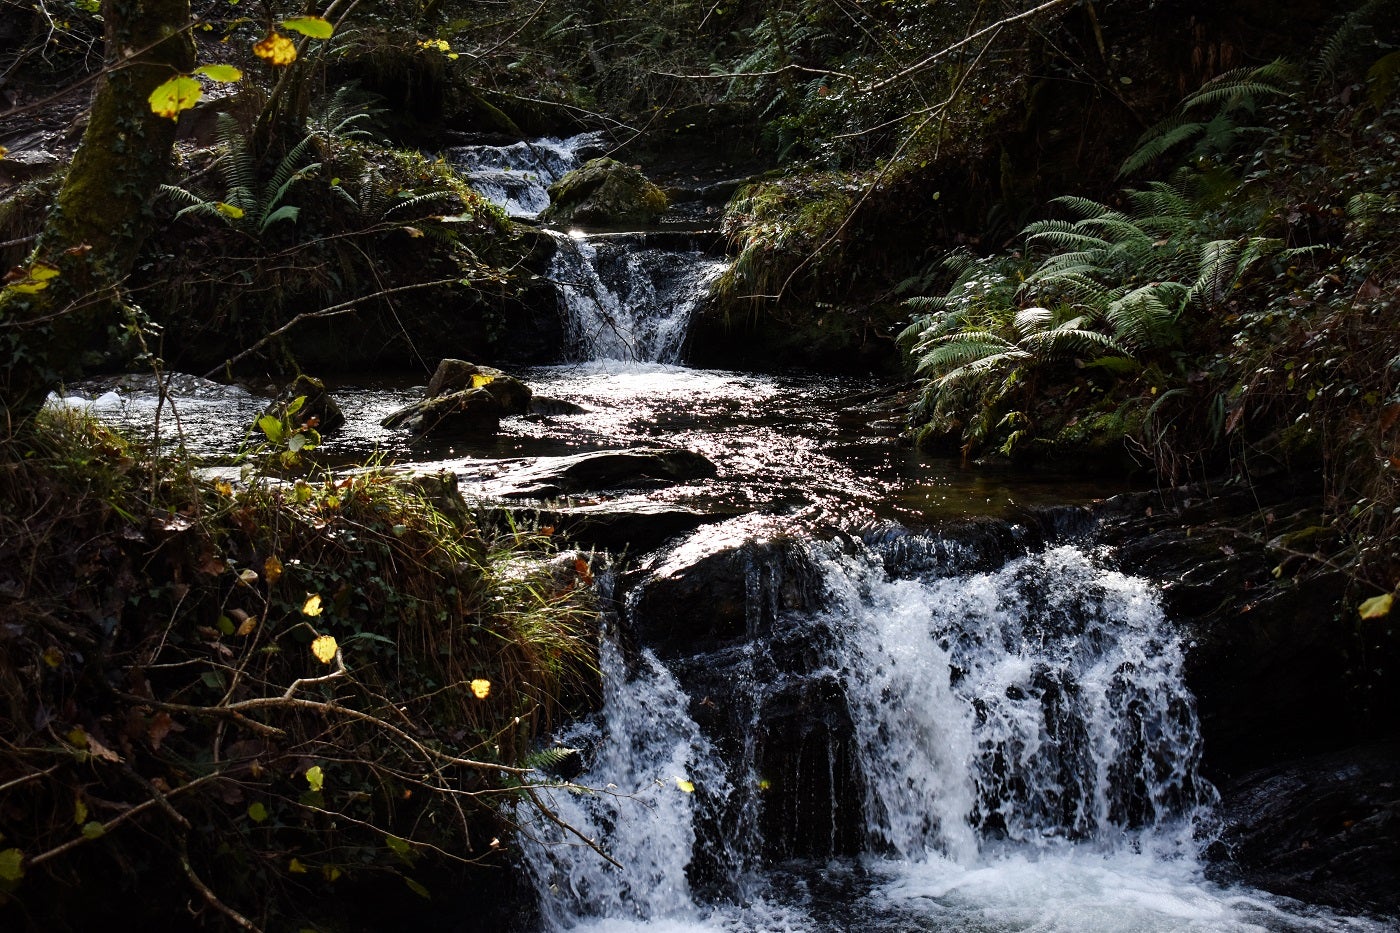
(1107, 291)
(248, 204)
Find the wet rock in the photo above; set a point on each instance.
(720, 586)
(633, 525)
(635, 468)
(553, 407)
(463, 399)
(1324, 829)
(317, 404)
(457, 375)
(604, 191)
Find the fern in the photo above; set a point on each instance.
(1230, 94)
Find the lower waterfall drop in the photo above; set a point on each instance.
(1030, 758)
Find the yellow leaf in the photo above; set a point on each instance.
(276, 49)
(1377, 607)
(257, 812)
(94, 830)
(685, 786)
(223, 487)
(482, 688)
(481, 379)
(224, 74)
(3, 152)
(314, 26)
(312, 606)
(11, 865)
(314, 777)
(80, 812)
(247, 577)
(248, 627)
(53, 657)
(179, 93)
(324, 648)
(231, 211)
(296, 867)
(272, 569)
(31, 280)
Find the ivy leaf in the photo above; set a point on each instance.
(276, 49)
(324, 648)
(1377, 607)
(257, 813)
(224, 74)
(11, 865)
(179, 93)
(314, 777)
(315, 27)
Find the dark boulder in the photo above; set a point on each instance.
(317, 410)
(463, 399)
(630, 524)
(635, 468)
(604, 191)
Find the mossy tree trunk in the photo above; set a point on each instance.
(96, 226)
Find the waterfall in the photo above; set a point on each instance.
(623, 301)
(1039, 703)
(648, 768)
(1028, 752)
(517, 177)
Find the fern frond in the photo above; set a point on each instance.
(1159, 140)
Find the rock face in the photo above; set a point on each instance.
(726, 608)
(1325, 829)
(463, 399)
(604, 191)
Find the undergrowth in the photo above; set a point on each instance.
(285, 697)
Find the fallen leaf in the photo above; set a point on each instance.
(272, 569)
(685, 786)
(312, 606)
(161, 726)
(481, 688)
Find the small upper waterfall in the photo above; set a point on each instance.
(622, 297)
(622, 300)
(517, 177)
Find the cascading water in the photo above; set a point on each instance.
(517, 177)
(1029, 756)
(621, 302)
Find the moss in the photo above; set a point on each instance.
(604, 191)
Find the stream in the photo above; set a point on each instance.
(821, 712)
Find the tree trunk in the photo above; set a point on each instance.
(102, 215)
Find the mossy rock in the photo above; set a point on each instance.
(604, 191)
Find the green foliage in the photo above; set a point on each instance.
(182, 718)
(249, 204)
(1234, 95)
